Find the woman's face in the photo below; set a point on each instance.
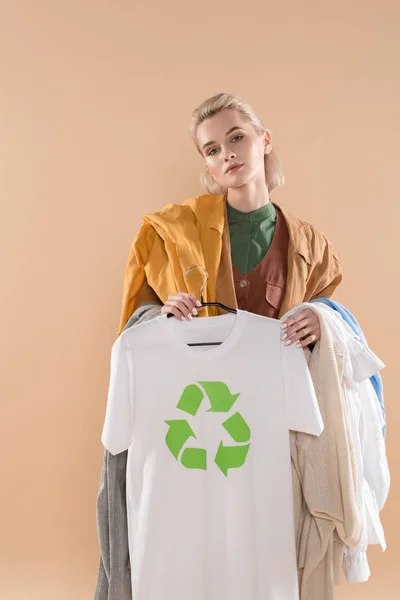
(225, 140)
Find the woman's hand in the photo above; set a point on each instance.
(182, 306)
(301, 328)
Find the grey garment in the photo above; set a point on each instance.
(114, 576)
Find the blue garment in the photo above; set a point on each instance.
(376, 379)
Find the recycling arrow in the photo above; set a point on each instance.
(194, 458)
(237, 428)
(218, 393)
(191, 399)
(231, 457)
(222, 401)
(178, 434)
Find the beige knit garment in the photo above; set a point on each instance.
(324, 481)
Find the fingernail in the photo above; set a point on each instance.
(284, 325)
(189, 317)
(198, 303)
(298, 345)
(195, 312)
(284, 336)
(288, 343)
(183, 318)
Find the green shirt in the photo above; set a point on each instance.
(251, 235)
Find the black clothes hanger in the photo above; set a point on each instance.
(219, 304)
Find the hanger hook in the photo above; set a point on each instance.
(205, 282)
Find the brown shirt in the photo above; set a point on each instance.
(261, 290)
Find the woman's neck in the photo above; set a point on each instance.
(249, 197)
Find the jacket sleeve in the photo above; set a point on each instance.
(136, 290)
(326, 272)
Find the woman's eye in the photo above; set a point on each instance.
(237, 138)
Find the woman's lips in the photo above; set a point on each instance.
(234, 169)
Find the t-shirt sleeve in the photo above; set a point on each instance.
(118, 424)
(301, 401)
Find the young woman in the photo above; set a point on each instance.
(259, 257)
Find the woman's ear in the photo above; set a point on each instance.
(267, 141)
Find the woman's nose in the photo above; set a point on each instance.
(229, 154)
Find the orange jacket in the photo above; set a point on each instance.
(196, 233)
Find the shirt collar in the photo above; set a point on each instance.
(255, 216)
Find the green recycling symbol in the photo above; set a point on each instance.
(222, 401)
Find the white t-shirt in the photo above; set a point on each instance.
(209, 488)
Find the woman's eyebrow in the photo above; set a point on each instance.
(227, 133)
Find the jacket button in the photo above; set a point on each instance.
(243, 283)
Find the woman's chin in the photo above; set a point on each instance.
(236, 180)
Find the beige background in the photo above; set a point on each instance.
(95, 103)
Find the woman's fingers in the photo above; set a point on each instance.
(182, 309)
(311, 339)
(173, 310)
(190, 302)
(176, 308)
(292, 332)
(182, 306)
(301, 329)
(299, 316)
(300, 334)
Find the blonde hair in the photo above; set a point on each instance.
(274, 175)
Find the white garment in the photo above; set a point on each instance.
(366, 421)
(218, 526)
(324, 478)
